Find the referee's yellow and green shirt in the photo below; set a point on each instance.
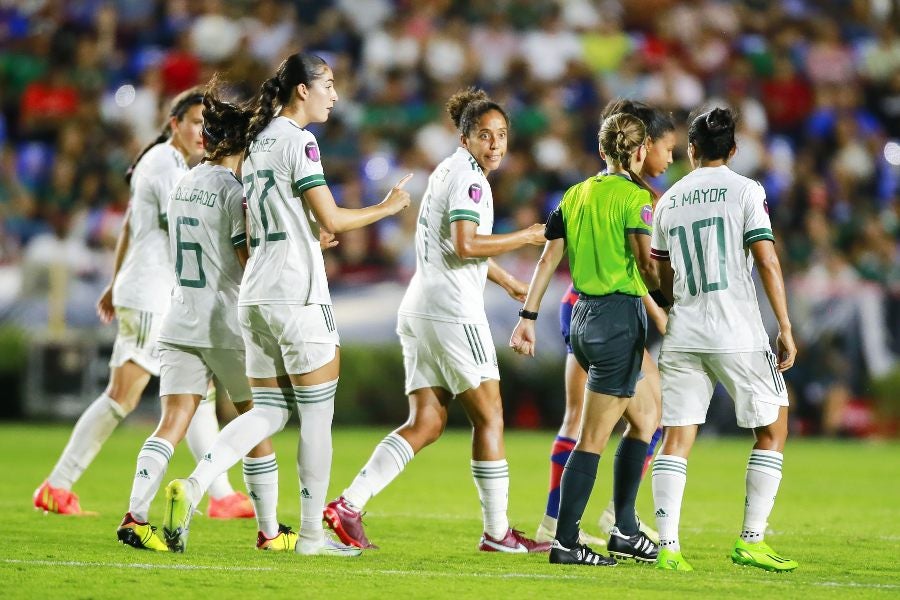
(595, 217)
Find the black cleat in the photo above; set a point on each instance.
(579, 554)
(637, 546)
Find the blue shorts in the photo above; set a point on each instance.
(565, 315)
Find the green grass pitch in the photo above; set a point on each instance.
(837, 514)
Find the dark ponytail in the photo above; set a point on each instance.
(657, 122)
(712, 134)
(276, 91)
(179, 106)
(466, 107)
(224, 124)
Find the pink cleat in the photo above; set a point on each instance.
(233, 506)
(514, 541)
(347, 523)
(56, 500)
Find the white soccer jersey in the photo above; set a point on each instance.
(206, 223)
(286, 264)
(144, 281)
(704, 225)
(446, 287)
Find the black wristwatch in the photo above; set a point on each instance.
(527, 314)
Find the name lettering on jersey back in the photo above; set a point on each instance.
(196, 196)
(262, 144)
(706, 196)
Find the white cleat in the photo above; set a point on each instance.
(325, 547)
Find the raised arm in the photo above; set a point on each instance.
(338, 220)
(105, 309)
(470, 244)
(523, 337)
(773, 282)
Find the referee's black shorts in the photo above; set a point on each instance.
(608, 336)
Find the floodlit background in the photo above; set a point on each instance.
(84, 85)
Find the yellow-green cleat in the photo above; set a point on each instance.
(284, 541)
(672, 560)
(140, 535)
(762, 556)
(179, 510)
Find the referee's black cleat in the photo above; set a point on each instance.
(638, 546)
(579, 554)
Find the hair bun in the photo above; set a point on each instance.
(719, 120)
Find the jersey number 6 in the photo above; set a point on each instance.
(181, 247)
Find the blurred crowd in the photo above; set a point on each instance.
(816, 83)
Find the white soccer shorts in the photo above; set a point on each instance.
(136, 339)
(187, 370)
(287, 339)
(751, 378)
(453, 356)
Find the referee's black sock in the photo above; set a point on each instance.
(575, 490)
(627, 468)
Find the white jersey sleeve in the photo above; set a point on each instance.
(307, 166)
(757, 225)
(659, 242)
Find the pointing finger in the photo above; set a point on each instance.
(403, 181)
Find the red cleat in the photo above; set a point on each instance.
(347, 523)
(56, 500)
(514, 541)
(233, 506)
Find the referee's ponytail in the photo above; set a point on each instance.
(620, 137)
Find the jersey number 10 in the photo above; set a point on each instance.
(696, 227)
(249, 185)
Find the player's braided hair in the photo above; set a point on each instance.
(620, 137)
(712, 134)
(657, 122)
(276, 91)
(178, 108)
(224, 124)
(467, 106)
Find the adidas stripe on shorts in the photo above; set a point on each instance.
(751, 378)
(136, 339)
(453, 356)
(287, 339)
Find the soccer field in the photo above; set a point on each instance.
(837, 514)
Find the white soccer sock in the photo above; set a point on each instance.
(200, 436)
(270, 412)
(93, 428)
(388, 460)
(261, 478)
(492, 480)
(669, 477)
(152, 462)
(763, 478)
(315, 405)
